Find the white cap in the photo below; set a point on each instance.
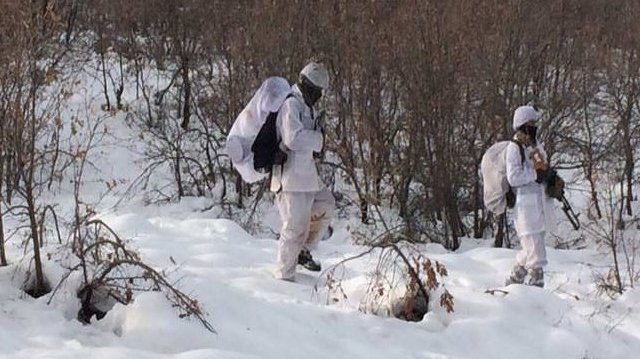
(317, 74)
(524, 114)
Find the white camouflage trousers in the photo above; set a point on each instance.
(305, 218)
(533, 253)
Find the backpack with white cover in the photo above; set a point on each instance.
(264, 104)
(496, 189)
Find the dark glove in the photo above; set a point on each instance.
(542, 176)
(555, 186)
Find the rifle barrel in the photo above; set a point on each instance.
(571, 215)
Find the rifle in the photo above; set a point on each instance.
(568, 211)
(320, 125)
(555, 189)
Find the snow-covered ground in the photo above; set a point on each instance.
(256, 316)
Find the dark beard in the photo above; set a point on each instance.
(531, 132)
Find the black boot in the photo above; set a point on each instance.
(536, 277)
(517, 275)
(306, 260)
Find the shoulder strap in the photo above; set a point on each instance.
(275, 114)
(521, 150)
(290, 95)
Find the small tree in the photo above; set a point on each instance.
(618, 234)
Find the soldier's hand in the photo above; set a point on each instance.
(538, 161)
(540, 165)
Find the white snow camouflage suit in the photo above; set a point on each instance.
(305, 206)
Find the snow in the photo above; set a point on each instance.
(256, 316)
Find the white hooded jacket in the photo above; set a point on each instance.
(300, 139)
(534, 210)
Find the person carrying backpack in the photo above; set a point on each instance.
(527, 175)
(305, 205)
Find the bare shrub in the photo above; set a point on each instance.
(402, 283)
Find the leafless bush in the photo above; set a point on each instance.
(402, 282)
(617, 233)
(30, 105)
(113, 271)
